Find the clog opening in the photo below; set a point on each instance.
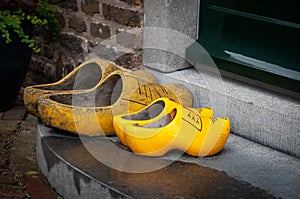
(86, 77)
(104, 95)
(148, 113)
(164, 121)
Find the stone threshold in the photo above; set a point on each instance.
(244, 169)
(258, 114)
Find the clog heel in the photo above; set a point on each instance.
(85, 76)
(151, 114)
(91, 112)
(195, 132)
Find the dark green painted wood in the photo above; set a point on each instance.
(255, 39)
(194, 54)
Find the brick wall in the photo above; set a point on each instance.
(110, 29)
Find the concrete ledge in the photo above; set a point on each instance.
(67, 179)
(257, 114)
(244, 169)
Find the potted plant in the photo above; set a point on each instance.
(19, 21)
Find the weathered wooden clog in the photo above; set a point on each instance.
(91, 112)
(85, 76)
(191, 130)
(150, 115)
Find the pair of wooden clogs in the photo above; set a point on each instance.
(98, 98)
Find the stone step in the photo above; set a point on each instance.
(99, 167)
(258, 114)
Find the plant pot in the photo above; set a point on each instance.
(15, 58)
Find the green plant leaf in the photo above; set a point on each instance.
(43, 14)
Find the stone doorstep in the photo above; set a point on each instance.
(244, 169)
(253, 112)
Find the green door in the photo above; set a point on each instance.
(259, 39)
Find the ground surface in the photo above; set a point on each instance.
(19, 173)
(242, 159)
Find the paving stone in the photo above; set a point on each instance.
(6, 179)
(16, 113)
(30, 123)
(17, 157)
(38, 188)
(7, 126)
(6, 194)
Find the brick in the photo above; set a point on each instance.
(55, 2)
(40, 72)
(72, 43)
(122, 16)
(134, 2)
(129, 38)
(37, 65)
(61, 18)
(70, 4)
(106, 52)
(77, 23)
(90, 7)
(100, 30)
(49, 71)
(130, 60)
(47, 51)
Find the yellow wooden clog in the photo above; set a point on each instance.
(91, 112)
(186, 129)
(87, 75)
(150, 114)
